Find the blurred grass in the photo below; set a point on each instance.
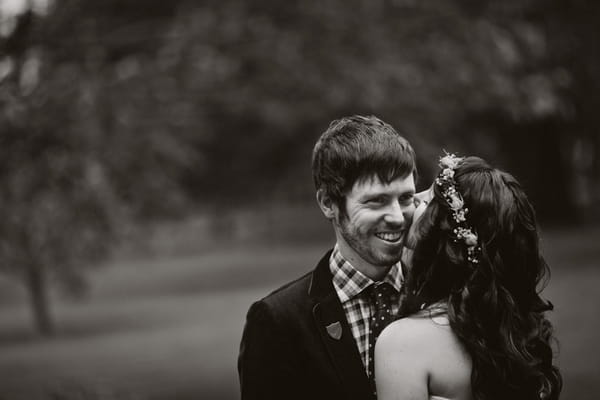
(574, 258)
(169, 327)
(156, 329)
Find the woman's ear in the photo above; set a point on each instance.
(327, 205)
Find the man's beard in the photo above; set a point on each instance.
(360, 243)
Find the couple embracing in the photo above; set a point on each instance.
(430, 295)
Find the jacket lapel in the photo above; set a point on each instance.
(336, 335)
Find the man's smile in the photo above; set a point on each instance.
(391, 237)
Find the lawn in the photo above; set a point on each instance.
(169, 327)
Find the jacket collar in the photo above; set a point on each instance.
(321, 284)
(328, 314)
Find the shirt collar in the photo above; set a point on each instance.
(350, 282)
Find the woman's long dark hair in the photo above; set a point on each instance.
(494, 306)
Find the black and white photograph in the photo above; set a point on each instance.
(332, 200)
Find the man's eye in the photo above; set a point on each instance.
(376, 200)
(407, 199)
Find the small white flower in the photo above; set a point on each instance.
(455, 202)
(470, 238)
(459, 216)
(450, 161)
(448, 172)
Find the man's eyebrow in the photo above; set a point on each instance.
(370, 195)
(374, 193)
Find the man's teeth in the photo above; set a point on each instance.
(390, 237)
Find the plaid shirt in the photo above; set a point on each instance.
(349, 284)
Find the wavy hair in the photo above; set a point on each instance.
(494, 307)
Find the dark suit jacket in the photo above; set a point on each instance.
(287, 351)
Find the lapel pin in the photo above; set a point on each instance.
(335, 330)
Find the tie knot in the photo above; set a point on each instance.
(381, 292)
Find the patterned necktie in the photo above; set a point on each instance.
(382, 295)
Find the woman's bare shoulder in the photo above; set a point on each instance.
(417, 329)
(428, 344)
(430, 336)
(414, 338)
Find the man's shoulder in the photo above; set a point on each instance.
(291, 291)
(285, 306)
(296, 294)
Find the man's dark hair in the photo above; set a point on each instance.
(355, 148)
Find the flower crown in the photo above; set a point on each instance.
(462, 231)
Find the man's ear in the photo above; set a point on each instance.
(327, 205)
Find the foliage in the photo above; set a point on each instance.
(114, 112)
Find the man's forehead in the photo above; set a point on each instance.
(374, 183)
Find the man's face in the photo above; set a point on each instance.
(377, 217)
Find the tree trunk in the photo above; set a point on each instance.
(36, 281)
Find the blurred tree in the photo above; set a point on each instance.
(547, 135)
(115, 112)
(499, 79)
(572, 30)
(79, 154)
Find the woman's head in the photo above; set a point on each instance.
(490, 281)
(498, 212)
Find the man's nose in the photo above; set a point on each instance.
(394, 214)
